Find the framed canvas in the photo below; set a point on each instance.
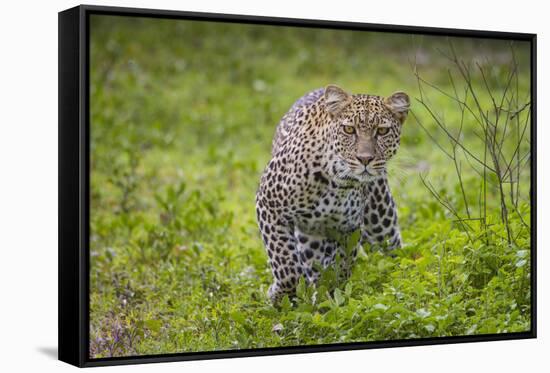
(235, 186)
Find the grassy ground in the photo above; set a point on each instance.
(182, 117)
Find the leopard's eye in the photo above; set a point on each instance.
(350, 130)
(382, 131)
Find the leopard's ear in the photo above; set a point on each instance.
(398, 103)
(336, 99)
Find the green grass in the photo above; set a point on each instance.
(182, 118)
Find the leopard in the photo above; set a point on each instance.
(327, 178)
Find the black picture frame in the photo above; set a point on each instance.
(74, 147)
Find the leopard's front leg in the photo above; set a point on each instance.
(381, 227)
(282, 250)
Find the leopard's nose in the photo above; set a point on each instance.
(365, 158)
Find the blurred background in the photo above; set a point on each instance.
(182, 119)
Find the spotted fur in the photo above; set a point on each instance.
(327, 176)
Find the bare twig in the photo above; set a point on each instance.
(503, 159)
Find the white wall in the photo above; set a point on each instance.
(28, 184)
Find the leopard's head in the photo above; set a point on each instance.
(363, 132)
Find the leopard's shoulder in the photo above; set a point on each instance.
(293, 117)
